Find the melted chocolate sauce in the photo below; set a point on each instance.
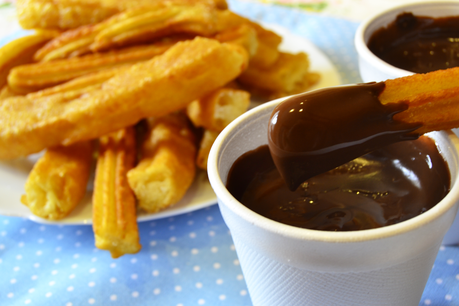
(314, 132)
(417, 43)
(384, 187)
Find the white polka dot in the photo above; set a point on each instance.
(36, 265)
(2, 247)
(77, 244)
(76, 256)
(135, 294)
(192, 235)
(134, 276)
(457, 276)
(52, 283)
(194, 251)
(113, 265)
(174, 253)
(19, 257)
(240, 277)
(57, 260)
(41, 240)
(39, 253)
(31, 290)
(176, 270)
(448, 297)
(74, 266)
(243, 292)
(154, 257)
(113, 280)
(198, 285)
(179, 304)
(190, 222)
(196, 268)
(70, 288)
(217, 265)
(156, 291)
(28, 301)
(133, 260)
(219, 281)
(91, 301)
(6, 221)
(152, 243)
(450, 262)
(13, 281)
(10, 295)
(222, 297)
(94, 259)
(69, 304)
(59, 237)
(92, 270)
(91, 284)
(22, 230)
(439, 281)
(72, 276)
(34, 277)
(15, 269)
(214, 249)
(113, 297)
(48, 294)
(78, 232)
(171, 227)
(236, 262)
(211, 233)
(155, 273)
(201, 302)
(152, 233)
(42, 228)
(172, 239)
(178, 288)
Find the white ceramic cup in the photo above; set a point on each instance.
(288, 266)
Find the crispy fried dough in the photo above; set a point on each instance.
(114, 205)
(432, 99)
(20, 51)
(157, 87)
(167, 166)
(58, 180)
(69, 14)
(35, 76)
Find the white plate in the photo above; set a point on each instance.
(13, 174)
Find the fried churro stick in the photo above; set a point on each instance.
(157, 87)
(35, 76)
(20, 51)
(133, 26)
(68, 14)
(167, 167)
(114, 206)
(58, 180)
(216, 110)
(432, 99)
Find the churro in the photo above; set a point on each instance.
(114, 206)
(164, 84)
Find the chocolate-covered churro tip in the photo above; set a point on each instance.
(315, 132)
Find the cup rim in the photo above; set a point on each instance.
(361, 45)
(225, 198)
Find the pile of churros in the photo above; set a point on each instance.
(138, 91)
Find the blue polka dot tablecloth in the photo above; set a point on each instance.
(185, 260)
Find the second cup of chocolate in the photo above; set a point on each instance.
(284, 265)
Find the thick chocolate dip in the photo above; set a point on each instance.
(418, 43)
(385, 187)
(312, 133)
(335, 160)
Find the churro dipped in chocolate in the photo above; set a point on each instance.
(315, 132)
